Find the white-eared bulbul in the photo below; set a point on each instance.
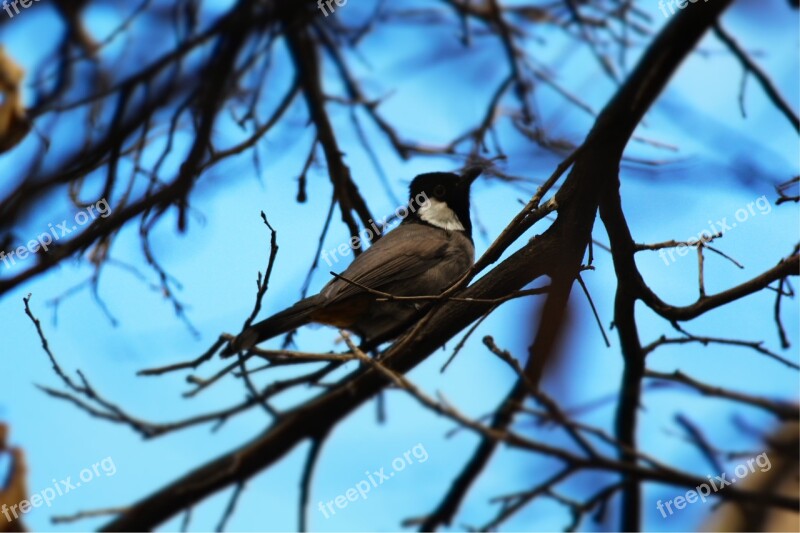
(429, 251)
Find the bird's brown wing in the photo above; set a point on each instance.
(403, 253)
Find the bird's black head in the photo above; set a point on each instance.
(441, 199)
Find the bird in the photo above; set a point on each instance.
(425, 254)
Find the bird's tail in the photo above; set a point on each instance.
(297, 315)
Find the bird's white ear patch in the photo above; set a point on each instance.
(438, 213)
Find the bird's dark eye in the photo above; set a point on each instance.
(439, 191)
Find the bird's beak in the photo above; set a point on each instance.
(469, 175)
